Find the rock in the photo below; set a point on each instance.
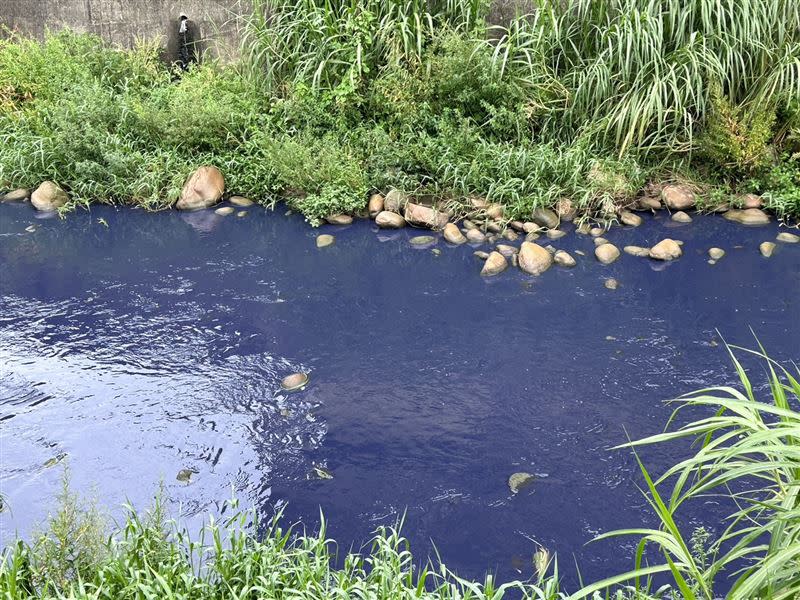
(606, 253)
(494, 227)
(389, 220)
(422, 240)
(600, 241)
(15, 195)
(518, 226)
(519, 481)
(48, 197)
(325, 240)
(666, 249)
(751, 201)
(241, 201)
(436, 252)
(596, 231)
(766, 249)
(294, 382)
(204, 188)
(649, 203)
(677, 197)
(533, 259)
(339, 219)
(480, 254)
(478, 203)
(241, 213)
(716, 253)
(225, 211)
(636, 251)
(681, 217)
(453, 235)
(531, 237)
(749, 216)
(424, 216)
(583, 229)
(529, 227)
(511, 235)
(322, 473)
(564, 259)
(555, 234)
(184, 475)
(496, 263)
(565, 210)
(721, 208)
(375, 205)
(506, 250)
(550, 249)
(494, 211)
(545, 217)
(475, 236)
(395, 201)
(611, 284)
(626, 217)
(467, 224)
(788, 238)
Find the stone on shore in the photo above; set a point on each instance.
(495, 211)
(530, 227)
(566, 210)
(475, 236)
(681, 217)
(424, 216)
(533, 259)
(630, 219)
(375, 205)
(389, 220)
(766, 249)
(666, 249)
(224, 211)
(241, 201)
(495, 264)
(545, 217)
(564, 259)
(506, 250)
(325, 240)
(15, 195)
(678, 197)
(788, 238)
(395, 201)
(748, 216)
(637, 251)
(606, 253)
(339, 219)
(750, 201)
(716, 253)
(453, 235)
(649, 203)
(48, 197)
(204, 188)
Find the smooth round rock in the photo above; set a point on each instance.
(202, 189)
(325, 240)
(375, 205)
(475, 236)
(49, 197)
(681, 217)
(716, 253)
(224, 211)
(748, 216)
(495, 264)
(519, 481)
(453, 235)
(596, 231)
(506, 250)
(529, 227)
(649, 203)
(637, 251)
(599, 241)
(294, 382)
(564, 259)
(389, 220)
(494, 211)
(666, 249)
(767, 249)
(677, 197)
(19, 195)
(241, 201)
(339, 219)
(533, 259)
(545, 218)
(555, 234)
(510, 235)
(630, 219)
(788, 238)
(611, 283)
(606, 253)
(750, 201)
(422, 241)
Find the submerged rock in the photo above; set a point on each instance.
(681, 217)
(678, 197)
(649, 203)
(545, 218)
(184, 475)
(241, 201)
(375, 205)
(606, 253)
(241, 213)
(422, 240)
(630, 219)
(519, 481)
(564, 259)
(666, 249)
(424, 216)
(204, 188)
(716, 253)
(599, 241)
(767, 249)
(495, 264)
(49, 197)
(320, 472)
(294, 382)
(611, 283)
(339, 219)
(15, 195)
(533, 259)
(453, 235)
(480, 254)
(325, 240)
(788, 238)
(636, 250)
(225, 211)
(748, 216)
(389, 220)
(506, 250)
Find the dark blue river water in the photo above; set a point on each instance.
(134, 345)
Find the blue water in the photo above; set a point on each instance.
(134, 345)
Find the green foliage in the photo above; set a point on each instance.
(779, 186)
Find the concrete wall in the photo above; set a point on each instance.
(124, 22)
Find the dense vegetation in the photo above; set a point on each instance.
(579, 99)
(746, 449)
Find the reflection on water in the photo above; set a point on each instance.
(158, 344)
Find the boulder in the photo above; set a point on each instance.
(564, 259)
(15, 195)
(666, 249)
(389, 220)
(241, 201)
(339, 219)
(533, 259)
(545, 217)
(630, 219)
(637, 251)
(716, 253)
(766, 249)
(325, 240)
(204, 188)
(424, 216)
(49, 197)
(606, 253)
(375, 205)
(678, 197)
(495, 264)
(748, 216)
(395, 201)
(788, 238)
(681, 217)
(453, 235)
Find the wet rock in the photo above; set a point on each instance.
(550, 249)
(636, 250)
(564, 259)
(749, 216)
(649, 203)
(506, 250)
(339, 219)
(555, 234)
(721, 208)
(514, 260)
(529, 227)
(475, 236)
(565, 209)
(666, 249)
(325, 240)
(531, 237)
(518, 226)
(716, 253)
(750, 201)
(185, 475)
(533, 259)
(425, 216)
(375, 205)
(681, 217)
(436, 252)
(395, 201)
(49, 197)
(600, 241)
(241, 213)
(422, 240)
(225, 211)
(678, 197)
(519, 481)
(495, 264)
(545, 218)
(453, 235)
(596, 231)
(204, 188)
(611, 283)
(766, 249)
(241, 201)
(491, 238)
(788, 238)
(480, 254)
(606, 253)
(495, 211)
(494, 227)
(294, 382)
(511, 235)
(320, 472)
(467, 224)
(630, 219)
(580, 252)
(15, 195)
(389, 220)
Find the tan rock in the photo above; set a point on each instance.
(748, 216)
(506, 250)
(395, 201)
(325, 240)
(681, 217)
(494, 227)
(425, 216)
(606, 253)
(545, 218)
(716, 253)
(564, 259)
(15, 195)
(565, 209)
(204, 188)
(611, 284)
(241, 201)
(583, 229)
(510, 235)
(596, 231)
(453, 235)
(533, 259)
(599, 241)
(375, 205)
(637, 251)
(495, 264)
(666, 249)
(788, 238)
(389, 220)
(339, 219)
(529, 227)
(480, 254)
(751, 201)
(630, 219)
(767, 249)
(678, 197)
(649, 203)
(494, 211)
(467, 224)
(517, 226)
(475, 236)
(224, 211)
(48, 197)
(555, 234)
